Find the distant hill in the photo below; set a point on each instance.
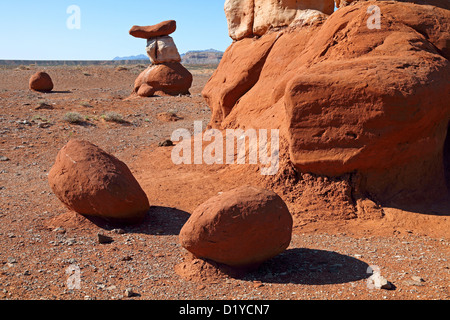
(47, 63)
(196, 57)
(210, 56)
(139, 57)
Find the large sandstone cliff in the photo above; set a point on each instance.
(346, 97)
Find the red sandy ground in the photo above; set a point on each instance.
(331, 248)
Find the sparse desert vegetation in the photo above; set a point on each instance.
(112, 116)
(74, 118)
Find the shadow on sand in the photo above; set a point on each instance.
(311, 267)
(158, 221)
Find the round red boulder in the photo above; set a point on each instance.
(41, 81)
(94, 183)
(240, 228)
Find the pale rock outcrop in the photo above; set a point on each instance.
(247, 18)
(274, 13)
(240, 15)
(162, 49)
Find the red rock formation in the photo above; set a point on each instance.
(437, 3)
(41, 81)
(158, 30)
(166, 75)
(346, 97)
(240, 228)
(91, 182)
(238, 72)
(168, 78)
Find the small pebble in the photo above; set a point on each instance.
(129, 293)
(103, 239)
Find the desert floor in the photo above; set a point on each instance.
(40, 240)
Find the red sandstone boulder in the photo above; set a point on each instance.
(146, 90)
(41, 81)
(161, 29)
(166, 79)
(94, 183)
(240, 228)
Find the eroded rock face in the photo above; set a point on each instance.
(94, 183)
(347, 98)
(240, 228)
(238, 72)
(247, 18)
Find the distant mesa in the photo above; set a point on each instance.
(210, 56)
(194, 57)
(137, 57)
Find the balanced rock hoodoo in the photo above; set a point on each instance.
(166, 75)
(94, 183)
(239, 228)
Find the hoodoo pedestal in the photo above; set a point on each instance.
(166, 75)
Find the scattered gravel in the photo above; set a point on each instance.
(40, 259)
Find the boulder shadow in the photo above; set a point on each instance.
(311, 267)
(61, 91)
(83, 123)
(161, 221)
(157, 221)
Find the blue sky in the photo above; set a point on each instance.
(37, 30)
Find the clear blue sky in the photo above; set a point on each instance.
(37, 30)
